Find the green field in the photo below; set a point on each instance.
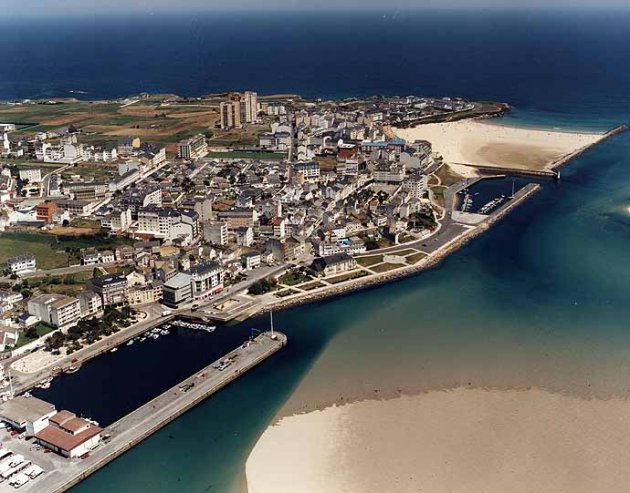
(50, 250)
(49, 255)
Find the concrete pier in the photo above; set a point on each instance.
(157, 413)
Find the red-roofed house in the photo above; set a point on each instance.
(69, 435)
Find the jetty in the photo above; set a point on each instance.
(559, 163)
(157, 413)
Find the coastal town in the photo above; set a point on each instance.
(119, 216)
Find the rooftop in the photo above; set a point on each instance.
(67, 441)
(20, 409)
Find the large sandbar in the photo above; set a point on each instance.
(463, 440)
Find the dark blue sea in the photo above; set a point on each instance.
(541, 300)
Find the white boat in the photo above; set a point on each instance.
(72, 369)
(142, 339)
(113, 350)
(154, 336)
(129, 343)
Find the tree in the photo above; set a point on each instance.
(371, 244)
(31, 333)
(262, 286)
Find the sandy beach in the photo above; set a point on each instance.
(463, 440)
(478, 142)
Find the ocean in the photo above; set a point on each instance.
(540, 300)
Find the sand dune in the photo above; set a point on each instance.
(484, 144)
(449, 441)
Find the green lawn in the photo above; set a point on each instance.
(403, 253)
(368, 261)
(294, 277)
(346, 277)
(285, 292)
(415, 258)
(312, 285)
(386, 267)
(41, 329)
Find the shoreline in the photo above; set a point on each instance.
(431, 260)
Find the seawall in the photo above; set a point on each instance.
(426, 263)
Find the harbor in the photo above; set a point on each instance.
(121, 435)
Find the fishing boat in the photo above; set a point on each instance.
(72, 369)
(45, 384)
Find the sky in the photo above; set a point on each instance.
(61, 8)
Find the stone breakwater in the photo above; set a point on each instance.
(426, 263)
(559, 163)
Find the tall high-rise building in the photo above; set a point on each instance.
(238, 109)
(231, 114)
(250, 101)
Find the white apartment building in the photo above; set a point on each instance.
(56, 310)
(215, 232)
(33, 175)
(22, 264)
(416, 184)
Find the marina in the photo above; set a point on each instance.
(133, 427)
(488, 194)
(113, 384)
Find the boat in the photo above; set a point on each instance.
(154, 336)
(72, 369)
(129, 343)
(142, 339)
(45, 384)
(113, 350)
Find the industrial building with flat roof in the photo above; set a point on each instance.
(27, 414)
